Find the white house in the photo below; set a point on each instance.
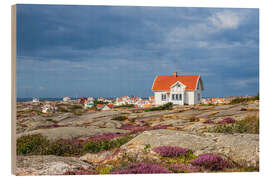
(178, 89)
(35, 100)
(88, 104)
(66, 99)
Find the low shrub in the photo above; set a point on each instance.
(32, 144)
(119, 118)
(75, 107)
(40, 145)
(248, 125)
(125, 106)
(102, 145)
(142, 168)
(193, 119)
(171, 151)
(64, 147)
(227, 121)
(147, 146)
(244, 99)
(167, 106)
(211, 162)
(105, 170)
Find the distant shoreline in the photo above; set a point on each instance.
(41, 99)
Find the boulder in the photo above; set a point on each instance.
(101, 157)
(48, 165)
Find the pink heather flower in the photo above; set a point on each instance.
(211, 161)
(142, 168)
(227, 121)
(171, 151)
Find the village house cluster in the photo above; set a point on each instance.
(177, 89)
(99, 103)
(220, 100)
(102, 103)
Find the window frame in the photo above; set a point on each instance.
(163, 97)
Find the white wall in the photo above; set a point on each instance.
(158, 98)
(190, 97)
(196, 99)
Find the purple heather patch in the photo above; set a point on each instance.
(160, 127)
(142, 168)
(171, 151)
(105, 136)
(209, 122)
(134, 128)
(243, 109)
(211, 161)
(227, 121)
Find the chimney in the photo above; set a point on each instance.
(175, 74)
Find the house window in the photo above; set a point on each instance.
(176, 97)
(163, 97)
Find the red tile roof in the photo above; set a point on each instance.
(163, 83)
(100, 105)
(110, 105)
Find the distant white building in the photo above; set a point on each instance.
(90, 99)
(178, 89)
(35, 100)
(89, 104)
(65, 99)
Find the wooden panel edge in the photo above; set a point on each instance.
(13, 88)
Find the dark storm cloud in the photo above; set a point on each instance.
(113, 51)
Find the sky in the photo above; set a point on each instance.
(117, 50)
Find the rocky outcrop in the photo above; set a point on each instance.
(101, 157)
(241, 148)
(71, 132)
(48, 165)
